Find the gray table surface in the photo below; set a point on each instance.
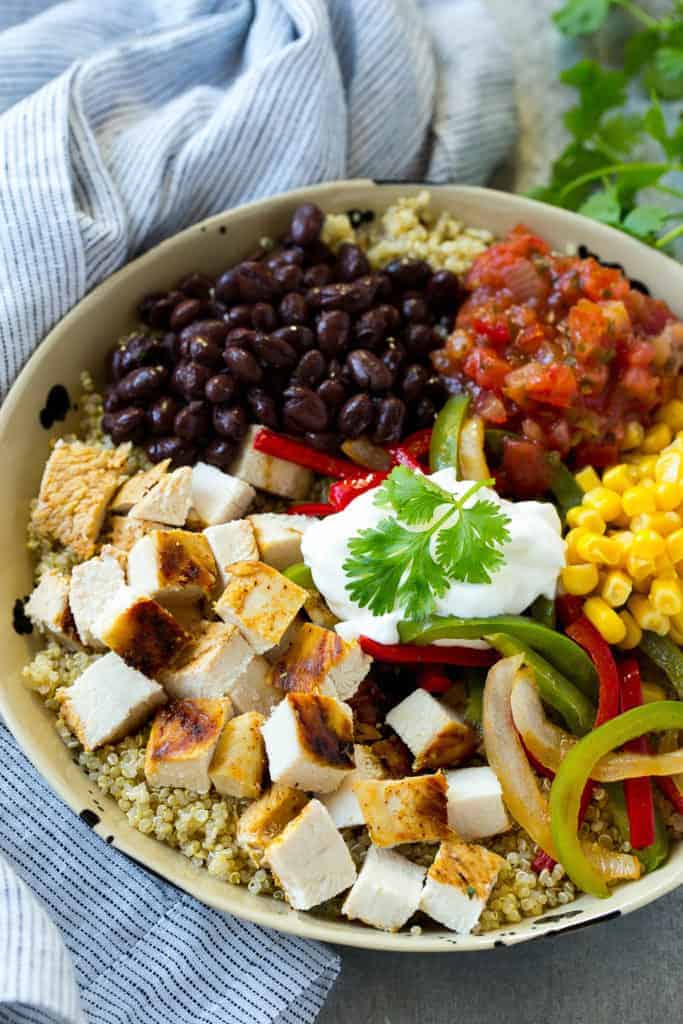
(625, 971)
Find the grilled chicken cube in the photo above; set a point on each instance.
(310, 860)
(435, 733)
(215, 658)
(279, 537)
(261, 602)
(172, 566)
(268, 473)
(239, 761)
(266, 817)
(396, 811)
(124, 532)
(139, 485)
(94, 585)
(182, 742)
(475, 803)
(218, 497)
(140, 631)
(253, 690)
(230, 543)
(49, 610)
(108, 701)
(394, 757)
(319, 661)
(308, 740)
(168, 500)
(387, 891)
(78, 483)
(343, 803)
(459, 883)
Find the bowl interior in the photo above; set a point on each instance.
(79, 342)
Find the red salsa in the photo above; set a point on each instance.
(559, 349)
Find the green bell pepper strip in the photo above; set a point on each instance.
(575, 771)
(543, 612)
(562, 484)
(300, 574)
(666, 655)
(474, 708)
(651, 857)
(554, 688)
(560, 651)
(445, 443)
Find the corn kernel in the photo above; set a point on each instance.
(664, 568)
(604, 501)
(656, 438)
(572, 538)
(669, 468)
(586, 517)
(587, 479)
(594, 548)
(646, 616)
(623, 539)
(647, 544)
(616, 588)
(668, 496)
(661, 522)
(671, 413)
(666, 596)
(674, 546)
(653, 691)
(606, 621)
(580, 579)
(637, 500)
(619, 478)
(639, 569)
(633, 435)
(633, 634)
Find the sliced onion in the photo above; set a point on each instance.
(471, 458)
(550, 744)
(365, 453)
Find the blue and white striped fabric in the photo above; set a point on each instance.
(121, 122)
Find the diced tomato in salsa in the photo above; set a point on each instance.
(560, 349)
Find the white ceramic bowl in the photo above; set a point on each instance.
(79, 342)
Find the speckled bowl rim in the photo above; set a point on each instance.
(79, 342)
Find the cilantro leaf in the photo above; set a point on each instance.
(665, 75)
(579, 17)
(603, 205)
(470, 549)
(645, 222)
(599, 91)
(621, 132)
(639, 50)
(411, 494)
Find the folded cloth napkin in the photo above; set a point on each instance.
(121, 122)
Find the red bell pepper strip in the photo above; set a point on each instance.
(433, 679)
(343, 492)
(586, 635)
(670, 790)
(402, 457)
(415, 446)
(311, 508)
(569, 608)
(270, 443)
(430, 654)
(638, 792)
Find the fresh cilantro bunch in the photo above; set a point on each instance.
(397, 565)
(597, 173)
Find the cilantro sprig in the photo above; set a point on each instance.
(600, 173)
(397, 565)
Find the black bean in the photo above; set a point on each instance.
(189, 379)
(293, 309)
(289, 276)
(385, 288)
(323, 442)
(425, 413)
(414, 308)
(227, 289)
(332, 393)
(127, 424)
(318, 275)
(209, 330)
(242, 365)
(140, 350)
(169, 349)
(409, 273)
(256, 283)
(311, 368)
(196, 285)
(165, 448)
(156, 309)
(301, 338)
(368, 371)
(372, 327)
(222, 387)
(215, 310)
(304, 410)
(239, 316)
(414, 382)
(355, 297)
(273, 351)
(394, 355)
(391, 413)
(263, 317)
(240, 337)
(420, 339)
(219, 452)
(306, 224)
(143, 383)
(263, 408)
(356, 416)
(193, 421)
(184, 313)
(230, 421)
(333, 330)
(351, 262)
(112, 401)
(293, 255)
(161, 415)
(202, 351)
(443, 290)
(116, 363)
(318, 252)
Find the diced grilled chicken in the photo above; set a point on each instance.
(49, 611)
(435, 733)
(310, 860)
(172, 566)
(108, 701)
(94, 585)
(78, 483)
(459, 883)
(369, 705)
(182, 743)
(261, 602)
(396, 811)
(387, 891)
(319, 661)
(239, 761)
(279, 536)
(135, 488)
(475, 803)
(218, 497)
(343, 803)
(140, 631)
(168, 500)
(124, 532)
(394, 757)
(216, 657)
(276, 476)
(308, 741)
(265, 819)
(230, 543)
(253, 690)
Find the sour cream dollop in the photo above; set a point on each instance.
(533, 557)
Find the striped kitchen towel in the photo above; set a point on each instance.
(121, 122)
